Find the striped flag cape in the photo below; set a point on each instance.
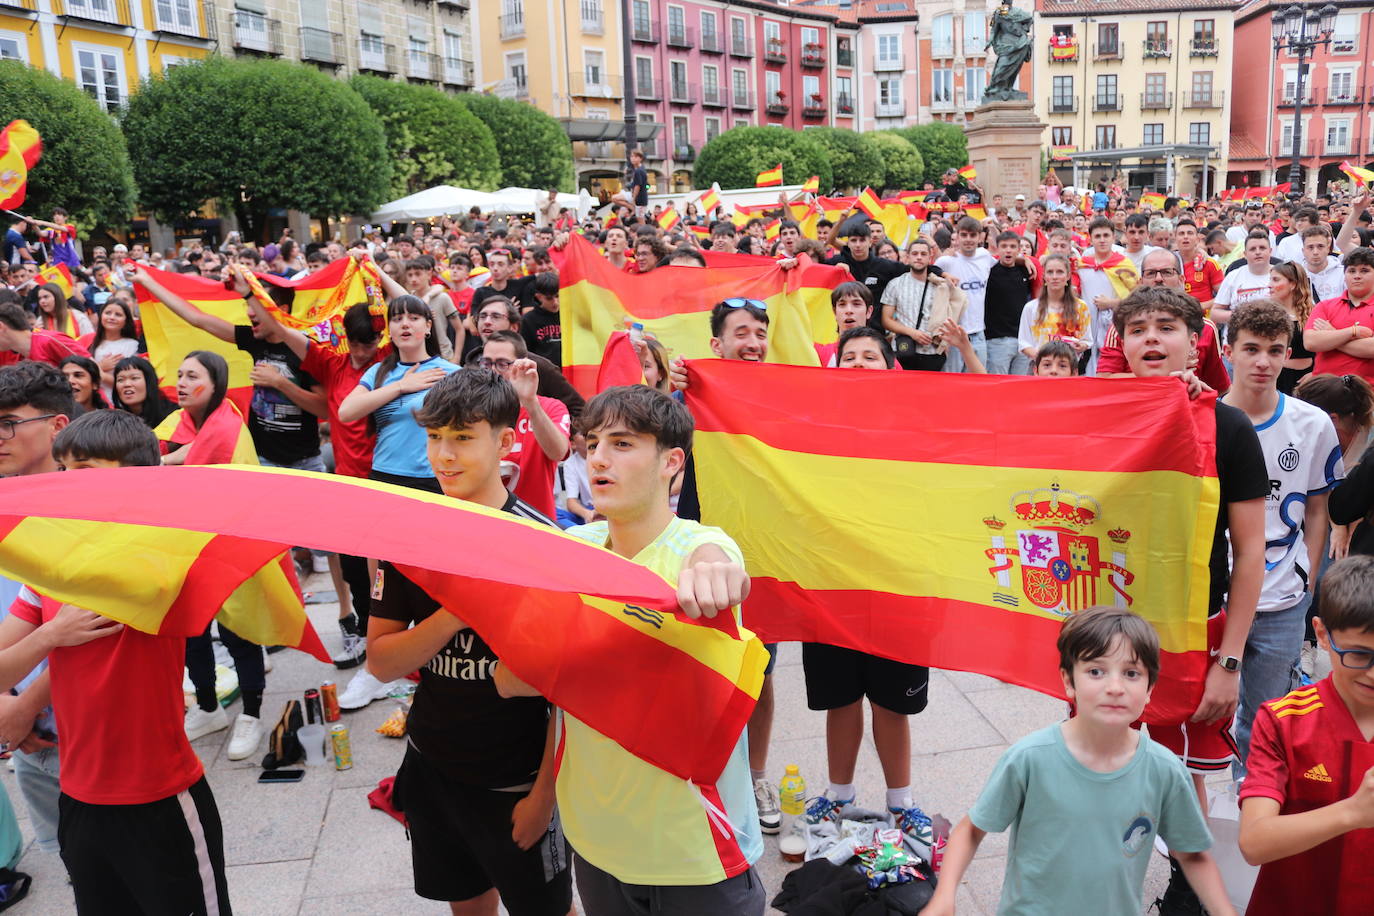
(913, 530)
(769, 177)
(674, 304)
(597, 634)
(20, 150)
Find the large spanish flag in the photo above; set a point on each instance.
(20, 149)
(317, 302)
(597, 634)
(885, 513)
(674, 304)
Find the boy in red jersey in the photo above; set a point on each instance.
(1307, 803)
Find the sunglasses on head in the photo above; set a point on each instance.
(741, 303)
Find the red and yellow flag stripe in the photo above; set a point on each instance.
(20, 149)
(912, 530)
(769, 177)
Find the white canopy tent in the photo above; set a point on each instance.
(441, 200)
(529, 200)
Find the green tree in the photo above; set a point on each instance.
(903, 167)
(254, 135)
(85, 163)
(735, 157)
(431, 137)
(855, 162)
(533, 149)
(942, 145)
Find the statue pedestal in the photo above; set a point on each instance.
(1005, 144)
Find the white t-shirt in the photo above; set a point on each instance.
(1303, 457)
(1290, 249)
(1094, 283)
(1241, 285)
(1139, 256)
(972, 274)
(1238, 235)
(1328, 283)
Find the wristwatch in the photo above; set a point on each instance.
(1229, 663)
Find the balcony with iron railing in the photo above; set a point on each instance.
(895, 109)
(844, 57)
(1157, 48)
(1106, 145)
(176, 19)
(255, 32)
(105, 12)
(741, 100)
(1199, 100)
(1334, 146)
(682, 93)
(596, 85)
(593, 18)
(513, 24)
(1064, 105)
(711, 43)
(1156, 101)
(680, 36)
(1289, 98)
(646, 91)
(947, 101)
(1063, 49)
(584, 150)
(321, 46)
(1203, 47)
(649, 148)
(458, 72)
(1349, 95)
(740, 46)
(886, 64)
(814, 107)
(713, 96)
(775, 51)
(1107, 103)
(942, 47)
(1107, 51)
(422, 65)
(684, 152)
(376, 57)
(813, 56)
(844, 104)
(777, 105)
(644, 32)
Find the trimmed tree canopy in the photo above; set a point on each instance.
(432, 138)
(854, 160)
(903, 167)
(942, 145)
(255, 134)
(735, 158)
(533, 149)
(85, 164)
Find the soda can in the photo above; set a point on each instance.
(343, 752)
(314, 711)
(329, 694)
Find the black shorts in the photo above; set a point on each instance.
(837, 677)
(163, 858)
(461, 846)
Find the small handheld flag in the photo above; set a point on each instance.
(1154, 200)
(1361, 177)
(977, 212)
(59, 275)
(708, 202)
(968, 173)
(20, 148)
(868, 202)
(769, 177)
(771, 229)
(812, 185)
(668, 219)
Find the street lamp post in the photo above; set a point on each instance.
(1300, 30)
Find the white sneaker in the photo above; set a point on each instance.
(363, 689)
(248, 733)
(354, 652)
(770, 814)
(200, 723)
(319, 562)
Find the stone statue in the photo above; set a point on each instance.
(1009, 36)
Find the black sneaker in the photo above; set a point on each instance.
(1178, 899)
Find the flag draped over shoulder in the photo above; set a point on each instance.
(20, 150)
(1121, 271)
(674, 304)
(597, 634)
(881, 512)
(319, 300)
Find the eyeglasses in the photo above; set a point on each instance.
(1359, 659)
(500, 365)
(1164, 272)
(741, 303)
(7, 426)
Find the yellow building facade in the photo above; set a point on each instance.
(1134, 92)
(564, 57)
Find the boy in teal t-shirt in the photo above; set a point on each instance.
(1085, 798)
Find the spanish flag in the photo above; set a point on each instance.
(58, 275)
(869, 203)
(1152, 200)
(597, 634)
(968, 173)
(769, 177)
(812, 185)
(1360, 177)
(771, 229)
(702, 233)
(668, 219)
(977, 212)
(975, 543)
(674, 304)
(1121, 271)
(317, 302)
(20, 149)
(708, 203)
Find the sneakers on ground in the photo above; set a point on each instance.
(363, 689)
(770, 814)
(200, 723)
(915, 824)
(248, 732)
(354, 652)
(319, 562)
(825, 807)
(1179, 898)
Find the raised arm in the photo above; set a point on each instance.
(210, 324)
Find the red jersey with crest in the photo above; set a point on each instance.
(1306, 752)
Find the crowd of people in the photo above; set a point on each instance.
(457, 390)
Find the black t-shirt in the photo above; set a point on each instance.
(873, 272)
(1242, 475)
(639, 185)
(543, 334)
(1007, 293)
(282, 432)
(457, 720)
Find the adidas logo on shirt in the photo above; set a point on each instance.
(1318, 773)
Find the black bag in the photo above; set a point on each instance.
(903, 345)
(284, 746)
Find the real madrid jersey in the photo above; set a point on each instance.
(1303, 457)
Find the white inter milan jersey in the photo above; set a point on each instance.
(1304, 459)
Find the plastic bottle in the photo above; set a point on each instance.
(637, 333)
(792, 801)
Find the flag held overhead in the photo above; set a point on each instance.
(769, 177)
(20, 149)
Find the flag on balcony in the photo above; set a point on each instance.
(1361, 177)
(769, 177)
(668, 219)
(708, 202)
(968, 173)
(868, 202)
(812, 185)
(20, 147)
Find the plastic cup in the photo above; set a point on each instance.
(312, 739)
